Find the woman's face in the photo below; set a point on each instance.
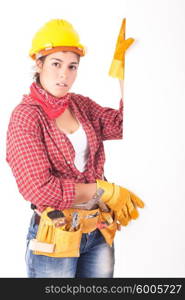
(58, 72)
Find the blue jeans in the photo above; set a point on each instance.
(96, 259)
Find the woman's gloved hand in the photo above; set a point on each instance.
(122, 216)
(123, 202)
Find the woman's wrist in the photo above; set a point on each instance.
(84, 192)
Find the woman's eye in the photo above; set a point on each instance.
(55, 64)
(73, 67)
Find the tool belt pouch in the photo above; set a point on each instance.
(88, 224)
(67, 244)
(108, 231)
(55, 241)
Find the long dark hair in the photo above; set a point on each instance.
(36, 75)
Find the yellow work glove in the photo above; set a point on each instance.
(123, 202)
(122, 216)
(118, 62)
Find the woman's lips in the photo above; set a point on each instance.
(62, 84)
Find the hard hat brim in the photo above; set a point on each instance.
(45, 52)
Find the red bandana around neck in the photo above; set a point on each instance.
(52, 105)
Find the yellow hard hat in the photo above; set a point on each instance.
(56, 35)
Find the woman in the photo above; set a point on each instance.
(56, 153)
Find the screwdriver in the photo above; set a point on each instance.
(75, 219)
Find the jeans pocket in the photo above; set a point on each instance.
(32, 230)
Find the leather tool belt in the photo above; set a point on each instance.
(64, 241)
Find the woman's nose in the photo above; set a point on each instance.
(63, 74)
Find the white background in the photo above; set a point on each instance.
(150, 160)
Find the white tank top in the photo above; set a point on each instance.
(80, 145)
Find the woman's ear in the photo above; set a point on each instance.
(39, 65)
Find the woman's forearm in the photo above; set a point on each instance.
(84, 192)
(121, 82)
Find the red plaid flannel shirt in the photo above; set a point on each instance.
(42, 157)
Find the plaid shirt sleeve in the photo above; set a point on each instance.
(27, 157)
(110, 120)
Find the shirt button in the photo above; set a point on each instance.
(68, 162)
(63, 140)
